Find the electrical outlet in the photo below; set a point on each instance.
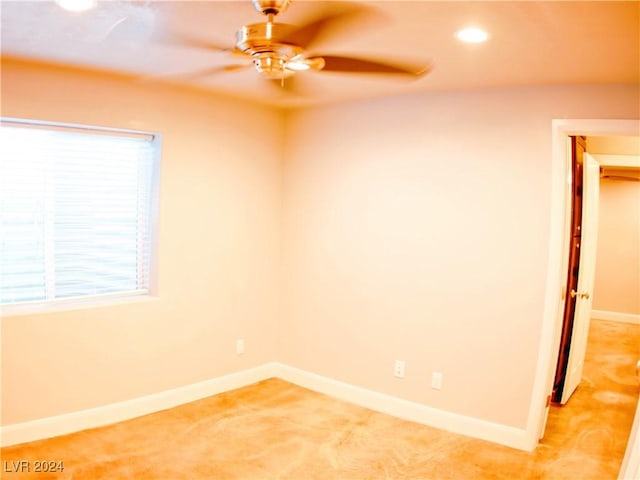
(436, 380)
(398, 369)
(239, 346)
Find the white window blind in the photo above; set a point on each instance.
(75, 212)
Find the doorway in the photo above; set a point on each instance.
(604, 230)
(557, 274)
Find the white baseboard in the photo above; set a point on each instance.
(616, 316)
(128, 409)
(415, 412)
(117, 412)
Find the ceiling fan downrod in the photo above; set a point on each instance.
(270, 7)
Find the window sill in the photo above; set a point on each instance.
(72, 304)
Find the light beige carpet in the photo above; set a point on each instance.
(275, 430)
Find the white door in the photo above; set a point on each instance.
(586, 276)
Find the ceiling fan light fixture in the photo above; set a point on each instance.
(271, 65)
(298, 65)
(77, 5)
(472, 35)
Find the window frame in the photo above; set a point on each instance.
(91, 301)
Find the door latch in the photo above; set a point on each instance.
(579, 294)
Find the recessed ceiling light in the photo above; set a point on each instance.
(77, 5)
(472, 35)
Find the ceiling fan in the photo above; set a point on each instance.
(278, 51)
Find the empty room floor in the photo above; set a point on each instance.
(276, 430)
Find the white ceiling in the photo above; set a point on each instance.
(531, 43)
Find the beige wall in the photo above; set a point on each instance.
(613, 145)
(220, 207)
(413, 228)
(617, 284)
(416, 228)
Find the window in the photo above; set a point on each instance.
(76, 211)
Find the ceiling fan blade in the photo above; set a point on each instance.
(236, 67)
(181, 40)
(199, 74)
(336, 63)
(333, 19)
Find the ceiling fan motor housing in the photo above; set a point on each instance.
(265, 37)
(270, 54)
